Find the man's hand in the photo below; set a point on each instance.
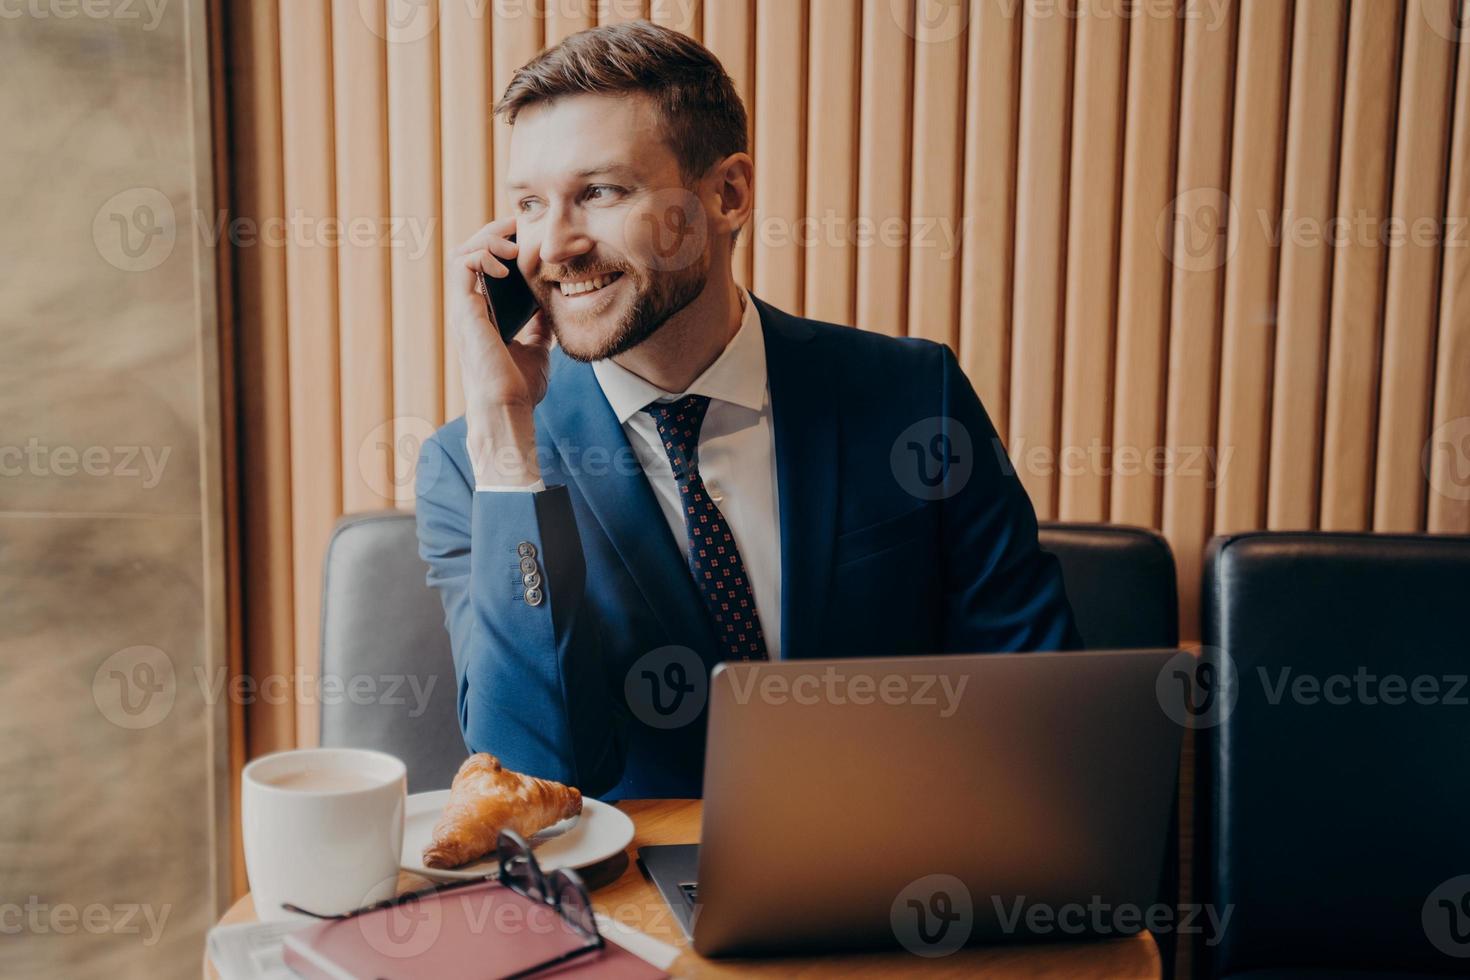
(503, 383)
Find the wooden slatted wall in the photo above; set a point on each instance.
(1206, 261)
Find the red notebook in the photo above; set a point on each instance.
(480, 932)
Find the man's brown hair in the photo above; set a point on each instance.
(701, 114)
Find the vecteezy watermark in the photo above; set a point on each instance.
(412, 928)
(152, 10)
(1098, 459)
(1446, 917)
(1363, 687)
(1200, 229)
(145, 463)
(943, 234)
(401, 21)
(137, 687)
(1447, 459)
(1198, 689)
(385, 451)
(671, 233)
(1196, 230)
(1099, 917)
(667, 687)
(412, 233)
(934, 21)
(36, 917)
(137, 229)
(407, 21)
(1450, 19)
(650, 918)
(1362, 228)
(391, 460)
(410, 691)
(852, 686)
(406, 930)
(933, 915)
(933, 458)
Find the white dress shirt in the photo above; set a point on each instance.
(737, 456)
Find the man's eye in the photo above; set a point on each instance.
(601, 192)
(526, 204)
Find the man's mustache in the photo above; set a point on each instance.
(549, 278)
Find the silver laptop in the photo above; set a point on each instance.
(928, 802)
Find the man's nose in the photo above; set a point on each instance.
(564, 239)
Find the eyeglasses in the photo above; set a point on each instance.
(562, 890)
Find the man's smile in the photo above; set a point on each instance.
(576, 287)
(587, 293)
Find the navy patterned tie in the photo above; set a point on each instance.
(714, 560)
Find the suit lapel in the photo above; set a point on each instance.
(805, 427)
(579, 418)
(804, 419)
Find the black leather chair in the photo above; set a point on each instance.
(1333, 832)
(382, 626)
(1120, 581)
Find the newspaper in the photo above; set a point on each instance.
(251, 950)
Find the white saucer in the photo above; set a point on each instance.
(599, 833)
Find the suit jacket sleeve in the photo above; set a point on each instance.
(1003, 593)
(531, 683)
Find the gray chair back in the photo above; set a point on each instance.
(383, 631)
(388, 675)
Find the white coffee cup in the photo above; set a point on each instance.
(323, 829)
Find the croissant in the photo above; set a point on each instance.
(487, 798)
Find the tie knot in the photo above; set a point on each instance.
(678, 424)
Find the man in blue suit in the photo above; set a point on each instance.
(692, 475)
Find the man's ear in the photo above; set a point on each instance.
(734, 182)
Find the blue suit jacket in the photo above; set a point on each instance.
(903, 530)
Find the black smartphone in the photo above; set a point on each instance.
(509, 301)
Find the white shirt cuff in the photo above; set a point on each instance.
(536, 487)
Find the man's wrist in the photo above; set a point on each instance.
(501, 440)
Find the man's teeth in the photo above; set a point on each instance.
(589, 286)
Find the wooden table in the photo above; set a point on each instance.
(620, 891)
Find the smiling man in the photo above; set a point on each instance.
(689, 475)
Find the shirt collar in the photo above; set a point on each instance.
(737, 376)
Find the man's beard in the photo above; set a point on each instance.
(665, 294)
